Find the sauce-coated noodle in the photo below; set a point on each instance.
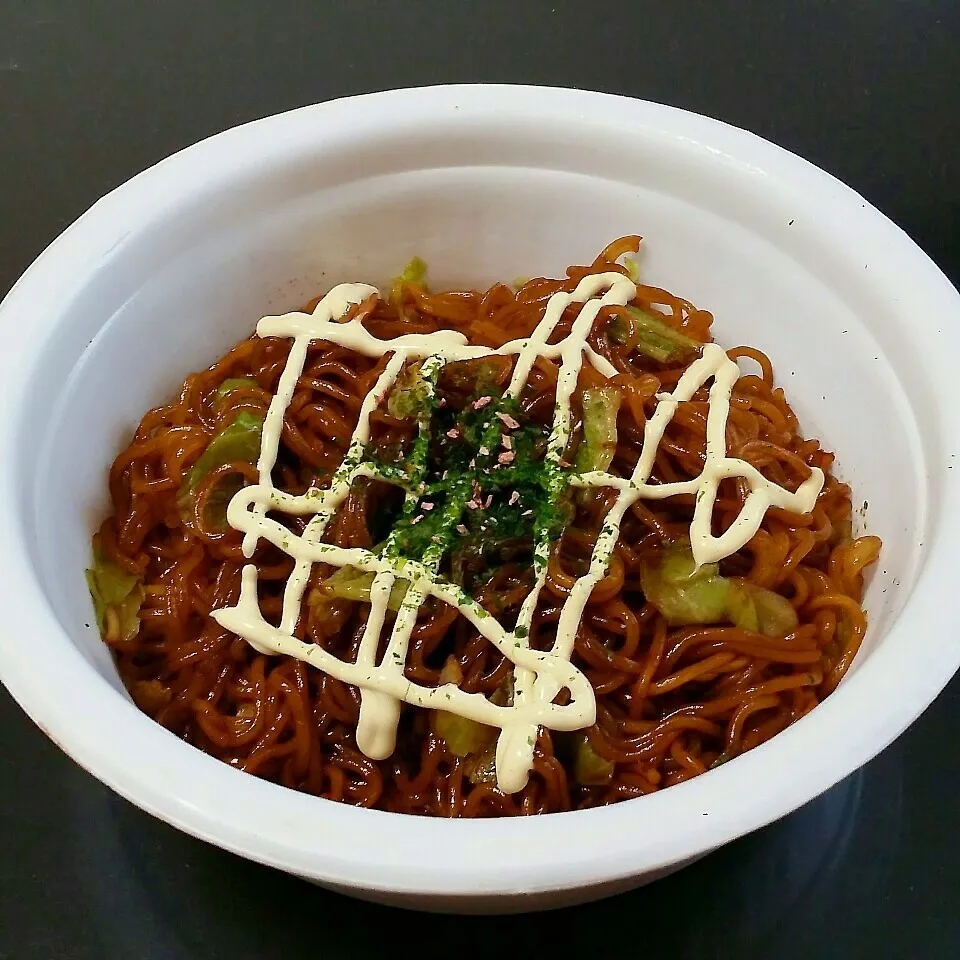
(670, 701)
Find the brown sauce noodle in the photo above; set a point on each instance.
(672, 702)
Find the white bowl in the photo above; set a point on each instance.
(486, 183)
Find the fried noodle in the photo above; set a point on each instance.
(672, 702)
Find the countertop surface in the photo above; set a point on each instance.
(92, 93)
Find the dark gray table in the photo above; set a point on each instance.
(92, 92)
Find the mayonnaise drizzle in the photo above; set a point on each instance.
(539, 675)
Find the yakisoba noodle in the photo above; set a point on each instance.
(689, 665)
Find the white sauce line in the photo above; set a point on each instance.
(539, 676)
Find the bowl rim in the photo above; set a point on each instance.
(373, 850)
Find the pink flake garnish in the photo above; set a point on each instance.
(506, 457)
(514, 497)
(453, 433)
(426, 506)
(507, 442)
(484, 451)
(481, 402)
(508, 421)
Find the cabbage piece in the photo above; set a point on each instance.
(589, 768)
(410, 395)
(681, 592)
(482, 768)
(349, 583)
(743, 610)
(760, 610)
(117, 597)
(686, 595)
(623, 331)
(463, 737)
(483, 377)
(656, 339)
(415, 272)
(151, 696)
(233, 384)
(600, 408)
(473, 741)
(237, 442)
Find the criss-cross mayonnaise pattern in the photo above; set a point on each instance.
(539, 676)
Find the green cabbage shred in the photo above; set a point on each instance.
(590, 769)
(237, 442)
(652, 336)
(116, 592)
(410, 396)
(233, 385)
(349, 583)
(600, 408)
(685, 594)
(414, 273)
